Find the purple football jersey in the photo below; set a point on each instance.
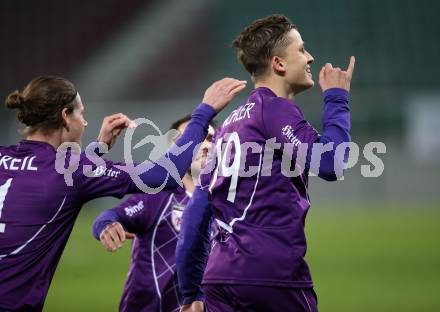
(259, 210)
(151, 283)
(38, 205)
(37, 213)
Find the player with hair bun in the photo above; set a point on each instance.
(38, 208)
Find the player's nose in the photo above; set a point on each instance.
(310, 58)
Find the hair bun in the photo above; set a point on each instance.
(14, 100)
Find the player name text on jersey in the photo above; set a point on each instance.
(239, 114)
(11, 163)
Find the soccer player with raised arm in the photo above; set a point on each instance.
(37, 206)
(154, 221)
(255, 184)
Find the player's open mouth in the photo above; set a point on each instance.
(308, 71)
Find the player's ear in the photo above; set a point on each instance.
(65, 118)
(278, 65)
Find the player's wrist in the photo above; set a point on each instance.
(335, 95)
(206, 109)
(104, 226)
(335, 91)
(190, 299)
(203, 115)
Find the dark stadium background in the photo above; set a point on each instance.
(373, 242)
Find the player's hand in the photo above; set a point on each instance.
(112, 126)
(221, 92)
(330, 77)
(113, 236)
(196, 306)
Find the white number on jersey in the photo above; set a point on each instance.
(3, 191)
(228, 171)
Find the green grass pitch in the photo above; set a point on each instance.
(378, 258)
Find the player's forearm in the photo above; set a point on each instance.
(193, 135)
(192, 249)
(336, 127)
(105, 218)
(336, 110)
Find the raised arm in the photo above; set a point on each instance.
(216, 97)
(336, 125)
(105, 178)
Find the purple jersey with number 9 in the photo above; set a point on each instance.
(259, 210)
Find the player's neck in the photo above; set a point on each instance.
(279, 87)
(188, 183)
(52, 138)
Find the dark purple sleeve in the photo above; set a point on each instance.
(192, 248)
(336, 126)
(134, 215)
(193, 135)
(95, 179)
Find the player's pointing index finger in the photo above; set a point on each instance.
(350, 67)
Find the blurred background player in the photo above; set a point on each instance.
(154, 221)
(257, 258)
(38, 209)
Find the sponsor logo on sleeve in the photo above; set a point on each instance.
(107, 172)
(287, 131)
(130, 211)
